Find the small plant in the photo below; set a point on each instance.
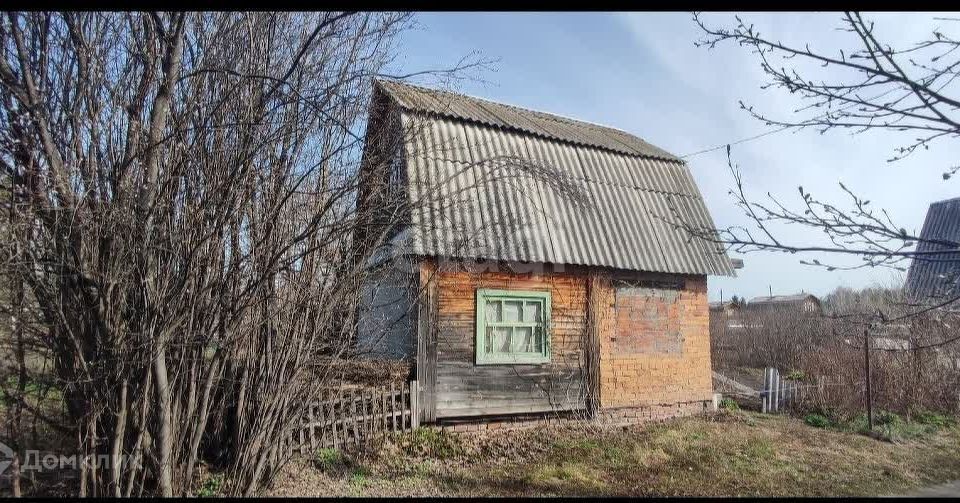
(796, 375)
(817, 420)
(933, 419)
(359, 477)
(431, 443)
(729, 404)
(211, 486)
(328, 460)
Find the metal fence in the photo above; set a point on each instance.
(779, 394)
(347, 417)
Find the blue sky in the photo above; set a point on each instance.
(640, 72)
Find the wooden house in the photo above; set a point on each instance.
(539, 266)
(934, 274)
(798, 303)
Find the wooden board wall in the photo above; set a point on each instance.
(463, 388)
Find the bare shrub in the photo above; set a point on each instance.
(181, 197)
(913, 361)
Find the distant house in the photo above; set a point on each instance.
(727, 308)
(519, 300)
(936, 276)
(803, 303)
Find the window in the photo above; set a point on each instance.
(513, 326)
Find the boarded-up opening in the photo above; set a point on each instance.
(648, 315)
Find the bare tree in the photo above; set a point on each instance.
(182, 192)
(872, 86)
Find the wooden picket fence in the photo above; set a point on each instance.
(346, 418)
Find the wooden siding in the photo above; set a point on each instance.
(463, 388)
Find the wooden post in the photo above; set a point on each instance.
(393, 408)
(335, 415)
(866, 371)
(311, 424)
(321, 405)
(300, 435)
(353, 412)
(414, 405)
(595, 311)
(383, 408)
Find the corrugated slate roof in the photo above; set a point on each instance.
(938, 276)
(495, 181)
(501, 115)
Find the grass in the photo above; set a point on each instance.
(210, 487)
(732, 453)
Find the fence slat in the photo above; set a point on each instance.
(393, 408)
(334, 414)
(341, 417)
(414, 405)
(383, 407)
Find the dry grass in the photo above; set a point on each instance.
(741, 454)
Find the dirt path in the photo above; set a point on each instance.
(948, 490)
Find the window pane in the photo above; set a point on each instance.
(493, 310)
(531, 311)
(501, 339)
(511, 310)
(523, 340)
(538, 340)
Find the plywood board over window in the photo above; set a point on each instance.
(648, 316)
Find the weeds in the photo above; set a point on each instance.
(729, 404)
(330, 460)
(430, 442)
(887, 425)
(817, 420)
(211, 486)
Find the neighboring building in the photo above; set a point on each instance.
(803, 303)
(936, 276)
(728, 308)
(535, 270)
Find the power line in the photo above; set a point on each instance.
(742, 140)
(782, 128)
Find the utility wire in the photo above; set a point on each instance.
(742, 140)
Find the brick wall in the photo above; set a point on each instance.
(661, 360)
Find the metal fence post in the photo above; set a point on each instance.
(866, 370)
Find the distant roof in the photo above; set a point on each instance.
(469, 174)
(937, 277)
(797, 297)
(721, 305)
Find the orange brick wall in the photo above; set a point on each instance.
(656, 374)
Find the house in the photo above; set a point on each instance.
(727, 309)
(801, 303)
(539, 267)
(935, 277)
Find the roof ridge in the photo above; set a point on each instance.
(552, 116)
(948, 200)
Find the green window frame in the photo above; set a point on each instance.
(513, 327)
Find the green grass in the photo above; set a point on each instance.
(729, 404)
(888, 426)
(817, 420)
(210, 487)
(728, 454)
